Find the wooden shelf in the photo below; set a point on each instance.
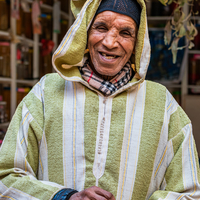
(12, 82)
(169, 85)
(28, 82)
(49, 9)
(5, 79)
(43, 6)
(26, 40)
(46, 7)
(156, 29)
(64, 15)
(195, 18)
(4, 125)
(5, 35)
(28, 1)
(194, 51)
(194, 87)
(158, 18)
(166, 18)
(173, 86)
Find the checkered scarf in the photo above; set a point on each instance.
(107, 87)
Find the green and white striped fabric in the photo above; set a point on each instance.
(136, 143)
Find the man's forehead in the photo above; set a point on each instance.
(110, 17)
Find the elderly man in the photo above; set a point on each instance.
(98, 130)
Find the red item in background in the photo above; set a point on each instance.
(47, 47)
(18, 54)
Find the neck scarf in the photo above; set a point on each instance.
(104, 86)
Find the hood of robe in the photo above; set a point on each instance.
(71, 52)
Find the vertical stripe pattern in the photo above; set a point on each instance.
(164, 152)
(20, 160)
(73, 136)
(189, 164)
(43, 159)
(38, 89)
(131, 142)
(154, 151)
(103, 129)
(171, 106)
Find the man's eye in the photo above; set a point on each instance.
(101, 28)
(126, 33)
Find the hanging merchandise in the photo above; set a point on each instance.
(161, 67)
(37, 29)
(15, 9)
(56, 17)
(47, 47)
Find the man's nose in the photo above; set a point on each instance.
(110, 40)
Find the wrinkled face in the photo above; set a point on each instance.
(111, 42)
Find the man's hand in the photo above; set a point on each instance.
(92, 193)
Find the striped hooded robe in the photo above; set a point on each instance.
(143, 150)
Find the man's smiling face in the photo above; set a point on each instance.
(111, 42)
